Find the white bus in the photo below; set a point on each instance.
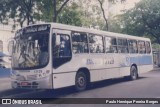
(52, 56)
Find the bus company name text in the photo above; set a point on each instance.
(36, 29)
(106, 61)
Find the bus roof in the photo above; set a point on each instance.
(95, 31)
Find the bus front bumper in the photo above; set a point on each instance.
(43, 83)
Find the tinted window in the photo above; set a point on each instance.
(141, 47)
(132, 46)
(79, 42)
(61, 49)
(110, 45)
(122, 46)
(148, 47)
(96, 43)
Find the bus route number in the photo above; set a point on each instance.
(38, 71)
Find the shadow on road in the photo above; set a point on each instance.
(71, 90)
(12, 92)
(112, 82)
(21, 93)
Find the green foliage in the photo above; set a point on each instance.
(19, 10)
(115, 25)
(46, 8)
(71, 15)
(156, 46)
(29, 11)
(76, 12)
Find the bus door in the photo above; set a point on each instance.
(61, 47)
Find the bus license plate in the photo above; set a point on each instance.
(24, 83)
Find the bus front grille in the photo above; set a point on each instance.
(30, 85)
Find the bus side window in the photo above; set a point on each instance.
(141, 47)
(61, 50)
(132, 46)
(110, 45)
(96, 43)
(148, 47)
(122, 46)
(79, 43)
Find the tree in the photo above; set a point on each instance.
(30, 11)
(18, 10)
(91, 16)
(46, 9)
(101, 2)
(57, 11)
(103, 12)
(115, 25)
(143, 20)
(71, 15)
(51, 9)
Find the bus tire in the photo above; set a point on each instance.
(133, 73)
(80, 81)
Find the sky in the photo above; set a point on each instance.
(129, 4)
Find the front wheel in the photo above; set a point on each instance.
(80, 81)
(133, 73)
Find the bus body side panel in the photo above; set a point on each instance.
(98, 75)
(143, 63)
(101, 67)
(146, 63)
(105, 66)
(127, 60)
(64, 75)
(124, 64)
(63, 79)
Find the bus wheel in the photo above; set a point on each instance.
(133, 73)
(80, 81)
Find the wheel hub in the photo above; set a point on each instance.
(81, 81)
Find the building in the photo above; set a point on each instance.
(6, 33)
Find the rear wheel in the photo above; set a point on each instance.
(133, 73)
(80, 81)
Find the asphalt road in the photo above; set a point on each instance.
(147, 86)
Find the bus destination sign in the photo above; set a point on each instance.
(37, 28)
(33, 29)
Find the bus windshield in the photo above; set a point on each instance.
(31, 51)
